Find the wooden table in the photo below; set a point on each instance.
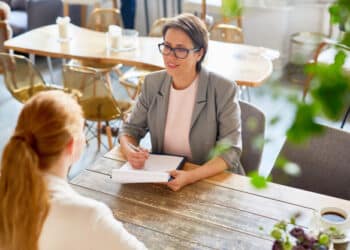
(248, 65)
(222, 212)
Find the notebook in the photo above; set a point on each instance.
(155, 170)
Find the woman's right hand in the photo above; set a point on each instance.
(137, 157)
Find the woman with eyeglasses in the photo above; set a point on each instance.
(38, 208)
(187, 109)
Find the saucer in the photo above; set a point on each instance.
(343, 240)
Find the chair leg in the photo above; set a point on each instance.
(109, 135)
(248, 94)
(49, 63)
(345, 118)
(98, 136)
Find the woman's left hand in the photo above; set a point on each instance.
(181, 179)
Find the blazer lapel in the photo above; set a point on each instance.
(162, 110)
(201, 98)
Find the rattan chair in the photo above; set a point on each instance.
(324, 163)
(97, 100)
(101, 18)
(229, 33)
(5, 28)
(157, 27)
(21, 77)
(226, 33)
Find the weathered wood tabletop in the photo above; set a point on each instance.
(222, 212)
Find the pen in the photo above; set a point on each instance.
(137, 149)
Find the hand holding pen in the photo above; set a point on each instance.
(137, 156)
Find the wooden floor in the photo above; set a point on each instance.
(268, 98)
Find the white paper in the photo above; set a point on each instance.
(155, 170)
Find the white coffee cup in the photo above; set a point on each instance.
(333, 217)
(63, 27)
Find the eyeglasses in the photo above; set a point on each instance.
(180, 53)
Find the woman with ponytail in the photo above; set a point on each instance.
(38, 208)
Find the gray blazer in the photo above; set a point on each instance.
(216, 116)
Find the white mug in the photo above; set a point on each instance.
(334, 217)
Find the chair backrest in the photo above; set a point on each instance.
(5, 11)
(5, 28)
(97, 100)
(253, 127)
(226, 33)
(21, 78)
(101, 18)
(324, 161)
(157, 27)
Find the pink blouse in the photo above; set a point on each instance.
(178, 121)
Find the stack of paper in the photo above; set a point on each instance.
(155, 170)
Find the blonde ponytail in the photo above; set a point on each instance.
(23, 188)
(45, 126)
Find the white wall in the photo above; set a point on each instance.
(270, 23)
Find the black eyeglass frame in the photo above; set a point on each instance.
(176, 49)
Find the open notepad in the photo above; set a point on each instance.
(155, 170)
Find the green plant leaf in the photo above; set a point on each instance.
(281, 225)
(346, 37)
(280, 162)
(231, 8)
(276, 234)
(220, 148)
(274, 120)
(304, 125)
(257, 180)
(334, 11)
(323, 239)
(292, 220)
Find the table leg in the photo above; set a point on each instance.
(49, 63)
(66, 9)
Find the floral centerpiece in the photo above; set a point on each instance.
(298, 239)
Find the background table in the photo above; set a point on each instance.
(222, 212)
(248, 65)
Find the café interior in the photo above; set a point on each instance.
(282, 54)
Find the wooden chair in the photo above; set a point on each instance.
(21, 77)
(157, 27)
(226, 33)
(101, 18)
(229, 33)
(253, 126)
(97, 100)
(324, 163)
(5, 34)
(5, 28)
